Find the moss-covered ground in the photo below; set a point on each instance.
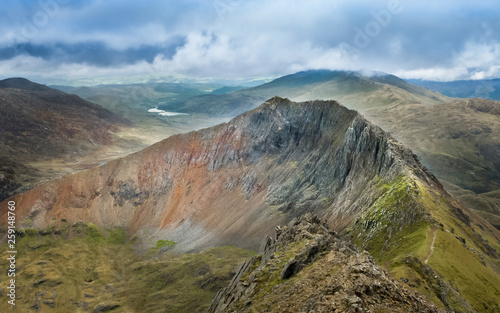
(82, 269)
(270, 275)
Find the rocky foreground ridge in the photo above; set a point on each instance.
(309, 268)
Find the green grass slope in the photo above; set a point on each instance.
(81, 269)
(428, 241)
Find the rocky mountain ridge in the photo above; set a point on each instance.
(455, 138)
(331, 275)
(278, 161)
(458, 142)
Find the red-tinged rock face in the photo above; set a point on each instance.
(233, 183)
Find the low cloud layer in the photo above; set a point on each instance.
(238, 40)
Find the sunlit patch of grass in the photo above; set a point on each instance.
(477, 282)
(164, 243)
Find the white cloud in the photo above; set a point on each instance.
(434, 73)
(244, 39)
(475, 61)
(479, 55)
(41, 70)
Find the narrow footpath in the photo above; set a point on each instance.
(432, 246)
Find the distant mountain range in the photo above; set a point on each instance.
(310, 85)
(486, 89)
(146, 96)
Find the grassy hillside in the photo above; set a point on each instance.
(81, 269)
(427, 241)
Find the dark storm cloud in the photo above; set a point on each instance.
(236, 38)
(92, 53)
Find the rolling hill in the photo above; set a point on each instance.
(40, 124)
(352, 88)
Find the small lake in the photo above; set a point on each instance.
(165, 113)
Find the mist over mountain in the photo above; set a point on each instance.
(235, 156)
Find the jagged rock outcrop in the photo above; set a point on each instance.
(334, 277)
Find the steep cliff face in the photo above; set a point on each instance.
(233, 183)
(457, 140)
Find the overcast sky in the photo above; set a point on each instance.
(125, 40)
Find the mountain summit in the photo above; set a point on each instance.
(24, 84)
(263, 168)
(456, 139)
